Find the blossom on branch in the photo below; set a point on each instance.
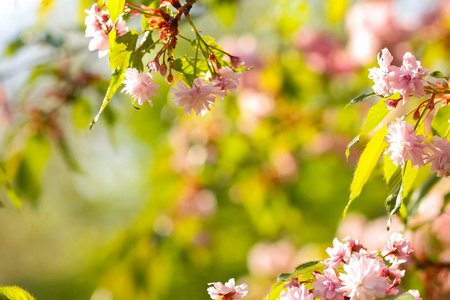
(200, 97)
(327, 285)
(397, 250)
(296, 293)
(227, 80)
(140, 86)
(404, 144)
(361, 280)
(227, 291)
(382, 85)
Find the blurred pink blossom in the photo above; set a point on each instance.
(439, 156)
(227, 291)
(253, 106)
(140, 86)
(415, 294)
(404, 144)
(269, 259)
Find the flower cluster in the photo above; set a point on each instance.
(352, 272)
(200, 88)
(98, 26)
(407, 79)
(405, 144)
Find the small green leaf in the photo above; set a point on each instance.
(14, 293)
(366, 164)
(185, 65)
(395, 197)
(145, 47)
(301, 269)
(115, 8)
(437, 74)
(441, 121)
(361, 98)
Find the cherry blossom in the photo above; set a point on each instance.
(415, 294)
(200, 97)
(397, 249)
(439, 156)
(227, 80)
(337, 254)
(382, 84)
(327, 285)
(140, 86)
(404, 144)
(408, 79)
(361, 280)
(227, 291)
(296, 293)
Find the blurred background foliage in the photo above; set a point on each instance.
(152, 204)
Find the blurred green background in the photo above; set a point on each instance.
(152, 204)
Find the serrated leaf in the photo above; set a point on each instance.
(361, 98)
(441, 121)
(145, 47)
(395, 197)
(115, 8)
(376, 114)
(366, 164)
(437, 74)
(300, 270)
(14, 293)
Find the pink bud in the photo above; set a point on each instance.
(235, 61)
(153, 66)
(163, 69)
(391, 103)
(416, 115)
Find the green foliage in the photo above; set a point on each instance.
(361, 98)
(437, 74)
(441, 121)
(366, 164)
(14, 293)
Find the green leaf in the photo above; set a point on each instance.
(120, 58)
(389, 168)
(145, 47)
(409, 176)
(441, 121)
(115, 8)
(14, 293)
(437, 74)
(366, 164)
(395, 197)
(375, 116)
(361, 98)
(185, 65)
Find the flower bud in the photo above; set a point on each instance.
(235, 61)
(169, 78)
(163, 69)
(153, 65)
(416, 115)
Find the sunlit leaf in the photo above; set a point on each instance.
(437, 74)
(45, 7)
(389, 168)
(14, 293)
(361, 98)
(188, 67)
(115, 8)
(366, 164)
(441, 121)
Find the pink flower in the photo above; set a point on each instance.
(296, 293)
(98, 26)
(361, 280)
(408, 79)
(327, 285)
(140, 86)
(382, 84)
(337, 254)
(404, 144)
(415, 294)
(198, 98)
(228, 80)
(397, 249)
(439, 157)
(227, 291)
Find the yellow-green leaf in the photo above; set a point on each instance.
(408, 178)
(366, 164)
(389, 168)
(13, 197)
(376, 114)
(115, 8)
(14, 293)
(45, 7)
